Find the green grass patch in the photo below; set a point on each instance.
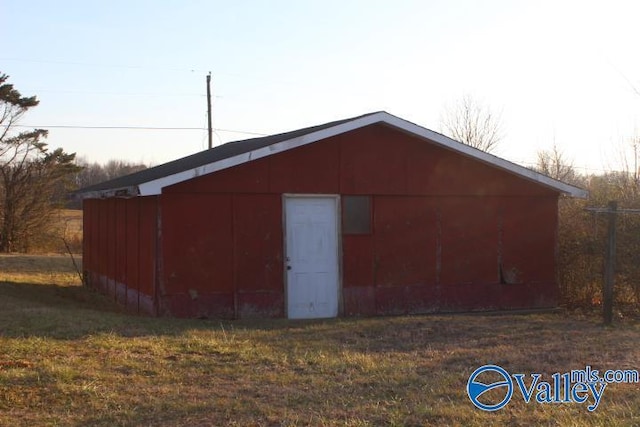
(68, 356)
(39, 269)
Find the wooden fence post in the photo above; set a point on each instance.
(609, 268)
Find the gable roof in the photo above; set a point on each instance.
(151, 181)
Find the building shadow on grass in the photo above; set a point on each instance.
(74, 312)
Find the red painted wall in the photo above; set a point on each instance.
(222, 256)
(120, 250)
(448, 233)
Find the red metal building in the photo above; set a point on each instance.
(364, 216)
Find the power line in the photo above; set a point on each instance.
(88, 64)
(524, 163)
(134, 128)
(108, 127)
(629, 82)
(78, 92)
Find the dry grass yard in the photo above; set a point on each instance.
(68, 357)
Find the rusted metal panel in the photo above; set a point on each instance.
(204, 305)
(522, 295)
(528, 295)
(469, 296)
(264, 304)
(359, 300)
(407, 299)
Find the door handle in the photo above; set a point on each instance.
(288, 267)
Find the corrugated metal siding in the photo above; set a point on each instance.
(469, 229)
(197, 239)
(110, 233)
(405, 240)
(120, 250)
(132, 254)
(224, 257)
(448, 233)
(148, 214)
(258, 255)
(121, 280)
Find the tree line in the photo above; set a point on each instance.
(91, 173)
(32, 177)
(582, 233)
(35, 183)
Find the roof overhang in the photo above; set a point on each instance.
(154, 187)
(122, 192)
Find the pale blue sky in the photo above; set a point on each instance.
(557, 70)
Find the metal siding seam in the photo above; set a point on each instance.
(234, 276)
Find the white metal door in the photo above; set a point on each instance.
(312, 257)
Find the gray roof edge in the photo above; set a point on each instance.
(198, 163)
(247, 150)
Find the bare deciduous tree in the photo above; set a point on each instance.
(31, 176)
(554, 164)
(92, 173)
(472, 123)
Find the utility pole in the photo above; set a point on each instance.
(209, 127)
(609, 268)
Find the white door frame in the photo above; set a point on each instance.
(338, 217)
